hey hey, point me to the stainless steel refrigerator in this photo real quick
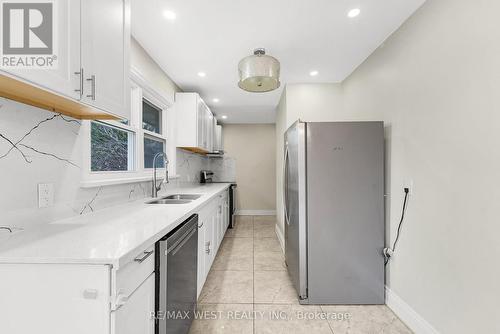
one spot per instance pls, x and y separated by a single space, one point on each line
333 187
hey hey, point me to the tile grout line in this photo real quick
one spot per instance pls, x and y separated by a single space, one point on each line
327 321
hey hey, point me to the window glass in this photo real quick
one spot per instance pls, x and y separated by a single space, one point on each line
153 146
111 148
151 117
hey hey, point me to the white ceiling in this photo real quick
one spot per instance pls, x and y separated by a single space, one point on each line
305 35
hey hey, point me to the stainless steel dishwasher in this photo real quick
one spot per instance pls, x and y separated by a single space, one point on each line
176 278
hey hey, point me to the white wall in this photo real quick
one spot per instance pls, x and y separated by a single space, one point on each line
435 83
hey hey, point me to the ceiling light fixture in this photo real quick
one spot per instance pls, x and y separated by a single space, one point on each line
215 100
313 73
259 72
202 74
354 12
169 15
224 116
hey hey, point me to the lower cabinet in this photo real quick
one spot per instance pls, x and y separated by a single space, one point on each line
135 316
213 223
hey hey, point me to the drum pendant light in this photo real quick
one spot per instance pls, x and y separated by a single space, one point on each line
259 72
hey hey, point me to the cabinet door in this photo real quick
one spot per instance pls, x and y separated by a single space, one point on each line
209 242
64 79
105 30
220 222
135 315
226 213
202 230
217 137
201 124
210 130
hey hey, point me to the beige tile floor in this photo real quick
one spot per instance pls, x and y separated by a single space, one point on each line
248 290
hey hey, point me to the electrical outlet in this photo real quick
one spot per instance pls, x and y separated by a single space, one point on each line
45 195
409 184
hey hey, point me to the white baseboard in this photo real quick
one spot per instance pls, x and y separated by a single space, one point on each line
256 212
409 316
280 237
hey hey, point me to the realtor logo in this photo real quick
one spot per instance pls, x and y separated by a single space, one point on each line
28 31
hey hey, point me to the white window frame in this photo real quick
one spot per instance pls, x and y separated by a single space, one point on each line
140 89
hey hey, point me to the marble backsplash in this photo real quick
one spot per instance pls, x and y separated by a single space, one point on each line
37 146
224 169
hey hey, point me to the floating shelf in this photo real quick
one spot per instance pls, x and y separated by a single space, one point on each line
195 150
26 93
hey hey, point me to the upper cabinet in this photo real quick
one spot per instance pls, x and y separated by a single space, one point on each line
91 79
218 137
64 78
105 55
196 121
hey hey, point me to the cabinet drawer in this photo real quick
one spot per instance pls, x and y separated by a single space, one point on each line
131 276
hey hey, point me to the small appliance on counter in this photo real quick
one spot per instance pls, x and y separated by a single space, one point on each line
206 176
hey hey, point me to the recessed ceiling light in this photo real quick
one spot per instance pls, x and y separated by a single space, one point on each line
202 74
313 73
169 15
354 12
215 100
224 116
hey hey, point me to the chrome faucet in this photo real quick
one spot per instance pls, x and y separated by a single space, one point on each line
156 186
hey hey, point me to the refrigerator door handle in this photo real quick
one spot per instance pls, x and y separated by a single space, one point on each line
285 199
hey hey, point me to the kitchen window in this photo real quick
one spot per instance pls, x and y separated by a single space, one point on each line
123 151
112 148
151 117
154 138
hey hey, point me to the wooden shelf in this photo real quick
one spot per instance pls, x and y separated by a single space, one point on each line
26 93
194 150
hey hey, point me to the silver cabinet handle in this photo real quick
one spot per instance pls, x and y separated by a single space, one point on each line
144 257
92 89
80 90
207 247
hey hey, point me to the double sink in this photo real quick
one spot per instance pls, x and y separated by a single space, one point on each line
175 199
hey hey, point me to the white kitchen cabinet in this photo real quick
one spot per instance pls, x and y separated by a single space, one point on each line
93 46
135 315
210 238
211 230
105 31
209 123
64 79
196 121
78 298
217 146
54 298
202 249
225 208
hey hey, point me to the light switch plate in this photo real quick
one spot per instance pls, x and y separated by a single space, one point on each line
45 195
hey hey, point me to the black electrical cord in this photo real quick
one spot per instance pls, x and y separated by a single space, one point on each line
393 248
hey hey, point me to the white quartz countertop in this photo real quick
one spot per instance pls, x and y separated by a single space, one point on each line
112 236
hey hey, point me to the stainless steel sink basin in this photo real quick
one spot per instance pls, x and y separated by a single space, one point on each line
169 201
183 196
